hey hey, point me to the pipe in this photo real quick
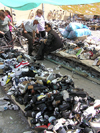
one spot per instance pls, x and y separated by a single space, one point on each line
43 9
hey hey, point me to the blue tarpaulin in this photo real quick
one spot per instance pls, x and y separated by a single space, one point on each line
29 4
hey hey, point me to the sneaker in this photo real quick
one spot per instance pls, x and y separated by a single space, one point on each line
40 77
11 91
12 74
13 107
30 113
19 58
51 119
1 60
27 56
3 102
66 79
95 62
65 94
3 80
79 52
18 71
22 64
8 79
4 55
4 107
40 97
5 98
23 88
57 80
15 80
51 77
25 69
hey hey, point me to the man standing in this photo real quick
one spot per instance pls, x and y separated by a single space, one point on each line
52 43
29 28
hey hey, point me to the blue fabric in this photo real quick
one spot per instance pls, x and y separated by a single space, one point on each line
25 7
18 4
74 26
63 32
79 33
84 26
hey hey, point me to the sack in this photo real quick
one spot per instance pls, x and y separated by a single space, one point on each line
63 32
74 26
79 33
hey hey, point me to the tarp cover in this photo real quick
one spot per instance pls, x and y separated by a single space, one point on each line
88 9
29 4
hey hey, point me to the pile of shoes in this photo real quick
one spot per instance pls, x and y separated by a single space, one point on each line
81 114
50 99
83 49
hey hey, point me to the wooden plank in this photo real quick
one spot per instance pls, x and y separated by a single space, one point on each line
74 58
94 80
76 71
82 38
94 26
69 68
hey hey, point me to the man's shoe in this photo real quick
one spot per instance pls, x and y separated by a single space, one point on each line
30 54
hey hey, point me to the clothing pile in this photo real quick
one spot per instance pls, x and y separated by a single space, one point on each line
50 99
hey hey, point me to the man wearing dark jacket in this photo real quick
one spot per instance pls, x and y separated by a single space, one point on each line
52 43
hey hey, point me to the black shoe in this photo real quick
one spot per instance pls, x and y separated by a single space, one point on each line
30 113
28 107
30 54
19 100
39 58
26 98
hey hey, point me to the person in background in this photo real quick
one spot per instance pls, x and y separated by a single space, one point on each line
29 28
52 43
40 32
2 11
31 14
7 13
4 27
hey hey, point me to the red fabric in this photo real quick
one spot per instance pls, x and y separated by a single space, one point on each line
91 53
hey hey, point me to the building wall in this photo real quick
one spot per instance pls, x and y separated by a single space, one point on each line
50 12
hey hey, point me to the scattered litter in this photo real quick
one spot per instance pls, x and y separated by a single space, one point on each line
11 118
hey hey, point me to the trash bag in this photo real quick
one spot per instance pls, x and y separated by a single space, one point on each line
79 33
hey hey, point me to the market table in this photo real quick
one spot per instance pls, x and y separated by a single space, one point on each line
95 26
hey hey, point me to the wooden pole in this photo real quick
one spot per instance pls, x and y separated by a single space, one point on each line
43 9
